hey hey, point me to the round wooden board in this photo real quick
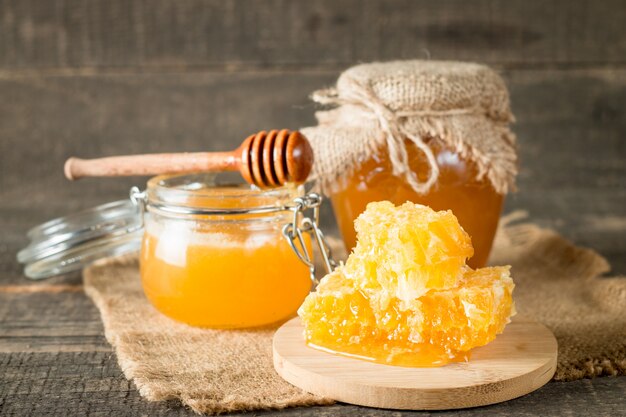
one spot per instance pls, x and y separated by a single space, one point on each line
519 361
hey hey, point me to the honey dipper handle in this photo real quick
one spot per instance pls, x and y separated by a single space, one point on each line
153 164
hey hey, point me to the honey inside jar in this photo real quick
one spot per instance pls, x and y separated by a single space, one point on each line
475 203
226 270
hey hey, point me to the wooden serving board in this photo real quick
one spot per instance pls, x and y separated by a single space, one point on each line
519 361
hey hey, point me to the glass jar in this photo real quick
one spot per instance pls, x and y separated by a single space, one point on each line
457 112
475 203
212 254
227 265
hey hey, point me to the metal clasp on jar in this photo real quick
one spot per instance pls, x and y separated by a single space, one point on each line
293 232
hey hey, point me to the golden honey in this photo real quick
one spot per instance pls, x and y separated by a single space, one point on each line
405 296
475 203
224 270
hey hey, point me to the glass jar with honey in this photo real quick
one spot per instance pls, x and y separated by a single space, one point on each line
429 132
212 253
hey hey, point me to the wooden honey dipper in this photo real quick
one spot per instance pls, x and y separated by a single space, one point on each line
265 159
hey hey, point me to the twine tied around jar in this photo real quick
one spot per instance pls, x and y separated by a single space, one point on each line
463 106
391 123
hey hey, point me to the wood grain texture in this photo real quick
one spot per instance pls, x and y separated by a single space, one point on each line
43 321
45 120
316 33
520 360
91 383
98 77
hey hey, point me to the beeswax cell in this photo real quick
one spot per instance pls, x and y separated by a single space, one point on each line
405 296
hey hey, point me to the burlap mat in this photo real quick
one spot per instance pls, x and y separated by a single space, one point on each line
215 371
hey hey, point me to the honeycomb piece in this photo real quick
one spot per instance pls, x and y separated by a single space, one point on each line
405 251
362 310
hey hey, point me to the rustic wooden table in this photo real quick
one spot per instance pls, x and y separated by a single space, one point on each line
95 78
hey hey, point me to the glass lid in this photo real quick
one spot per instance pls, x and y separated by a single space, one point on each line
70 243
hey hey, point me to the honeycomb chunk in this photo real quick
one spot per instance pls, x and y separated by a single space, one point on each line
405 296
403 252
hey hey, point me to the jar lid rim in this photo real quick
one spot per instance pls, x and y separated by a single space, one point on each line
208 194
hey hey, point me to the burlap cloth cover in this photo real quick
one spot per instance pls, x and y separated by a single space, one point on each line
463 105
215 371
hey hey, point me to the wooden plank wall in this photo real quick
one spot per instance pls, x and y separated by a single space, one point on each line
239 34
103 77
